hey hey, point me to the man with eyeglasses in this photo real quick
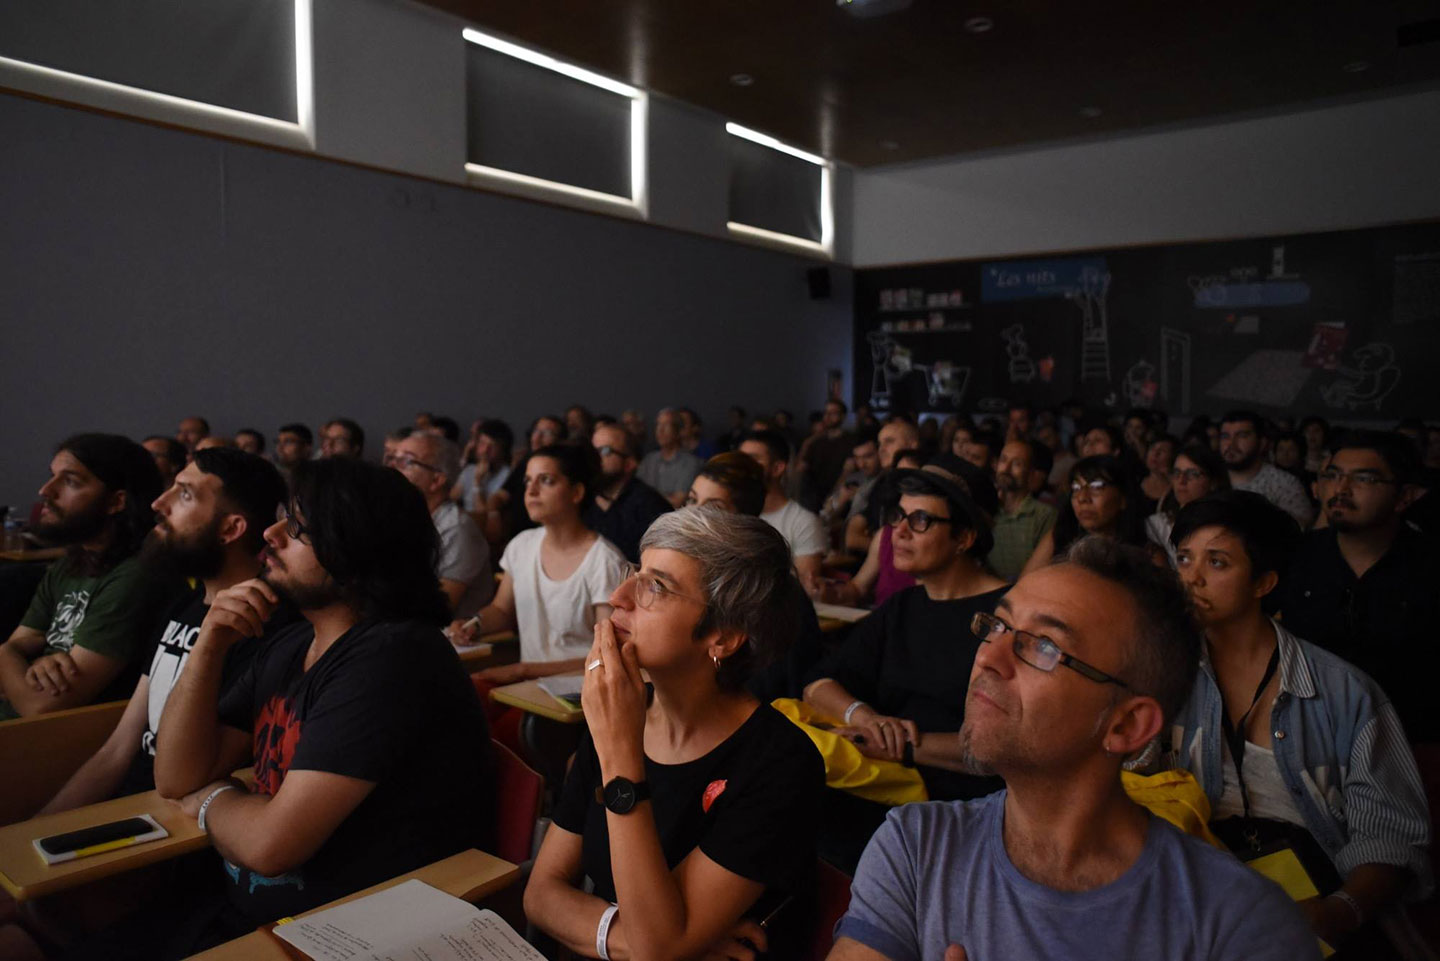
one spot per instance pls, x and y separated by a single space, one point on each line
293 444
1243 446
624 506
1081 664
432 464
1367 586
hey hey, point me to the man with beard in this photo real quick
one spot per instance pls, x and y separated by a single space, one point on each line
97 604
209 526
371 751
1365 586
1022 520
624 506
1082 663
1243 446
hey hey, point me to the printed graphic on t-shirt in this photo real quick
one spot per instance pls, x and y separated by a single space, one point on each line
277 734
69 615
176 643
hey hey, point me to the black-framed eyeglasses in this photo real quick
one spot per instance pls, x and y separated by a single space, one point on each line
1093 487
1359 478
917 521
294 529
1188 474
649 588
1037 650
405 462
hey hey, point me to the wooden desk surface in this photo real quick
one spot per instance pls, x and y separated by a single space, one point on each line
470 875
33 554
529 697
25 876
498 648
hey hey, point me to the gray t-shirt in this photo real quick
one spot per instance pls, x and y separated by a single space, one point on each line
938 874
464 557
669 476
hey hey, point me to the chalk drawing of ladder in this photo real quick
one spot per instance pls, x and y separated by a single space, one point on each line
1090 297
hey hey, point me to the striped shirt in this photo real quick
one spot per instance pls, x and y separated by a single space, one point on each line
1341 752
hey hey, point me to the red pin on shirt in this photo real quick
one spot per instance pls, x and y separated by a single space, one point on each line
712 791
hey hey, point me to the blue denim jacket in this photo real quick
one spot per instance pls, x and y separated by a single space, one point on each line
1341 751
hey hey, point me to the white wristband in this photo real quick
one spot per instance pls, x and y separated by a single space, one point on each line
205 804
850 711
602 933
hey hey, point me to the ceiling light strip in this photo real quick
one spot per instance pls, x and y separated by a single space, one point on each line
549 63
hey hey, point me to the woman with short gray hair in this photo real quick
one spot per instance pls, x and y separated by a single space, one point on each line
690 804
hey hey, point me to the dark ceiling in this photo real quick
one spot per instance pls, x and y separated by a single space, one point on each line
917 83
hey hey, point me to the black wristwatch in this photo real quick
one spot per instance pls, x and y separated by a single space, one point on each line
622 794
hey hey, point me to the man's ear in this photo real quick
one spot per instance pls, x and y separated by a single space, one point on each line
232 528
1134 723
118 502
1409 494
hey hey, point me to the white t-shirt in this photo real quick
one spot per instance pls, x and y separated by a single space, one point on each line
557 618
802 530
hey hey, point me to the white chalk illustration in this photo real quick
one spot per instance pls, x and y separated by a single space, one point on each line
1021 367
1366 381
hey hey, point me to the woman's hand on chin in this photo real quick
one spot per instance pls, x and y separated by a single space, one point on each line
613 697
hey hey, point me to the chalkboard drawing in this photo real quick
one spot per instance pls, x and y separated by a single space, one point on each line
1022 368
1366 381
1140 384
1175 369
1266 378
1277 261
1090 296
1327 343
1220 292
947 383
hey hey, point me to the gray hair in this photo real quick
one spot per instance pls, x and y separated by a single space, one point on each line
748 577
444 455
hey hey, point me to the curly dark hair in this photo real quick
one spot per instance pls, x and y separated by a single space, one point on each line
373 535
121 465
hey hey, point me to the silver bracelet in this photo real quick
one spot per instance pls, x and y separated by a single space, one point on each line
854 706
1348 898
602 933
205 804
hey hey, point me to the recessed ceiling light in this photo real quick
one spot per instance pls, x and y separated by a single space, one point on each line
979 24
741 79
1090 113
1357 66
889 145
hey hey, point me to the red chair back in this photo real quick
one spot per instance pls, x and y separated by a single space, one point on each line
519 792
832 898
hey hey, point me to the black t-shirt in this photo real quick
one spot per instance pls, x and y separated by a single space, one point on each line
749 804
629 517
1384 623
911 658
388 703
172 647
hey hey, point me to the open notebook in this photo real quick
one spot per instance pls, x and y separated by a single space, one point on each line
408 922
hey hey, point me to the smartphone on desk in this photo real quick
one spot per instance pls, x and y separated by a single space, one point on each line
99 838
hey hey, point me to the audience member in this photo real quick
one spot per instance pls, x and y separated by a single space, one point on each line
1136 430
732 481
558 576
250 440
209 526
802 530
212 441
342 437
170 455
692 438
579 424
1018 422
897 681
432 464
446 427
293 445
982 449
1335 781
853 489
97 604
1159 459
897 435
1197 471
690 805
1365 587
670 469
1021 520
634 423
624 506
544 431
190 430
1243 445
1062 864
824 454
1101 440
491 442
1103 500
371 751
392 443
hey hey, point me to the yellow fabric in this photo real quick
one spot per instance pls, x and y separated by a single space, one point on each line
846 768
1175 796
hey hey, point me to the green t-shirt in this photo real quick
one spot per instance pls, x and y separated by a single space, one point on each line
113 614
